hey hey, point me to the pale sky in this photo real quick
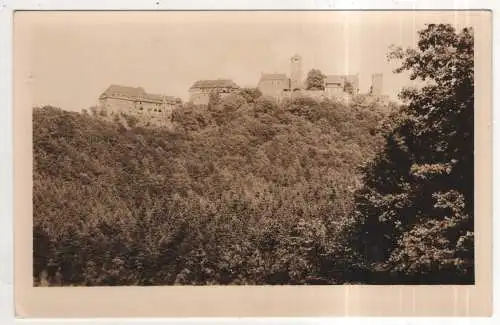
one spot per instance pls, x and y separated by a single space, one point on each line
74 56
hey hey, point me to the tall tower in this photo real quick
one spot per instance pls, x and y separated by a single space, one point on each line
296 72
377 84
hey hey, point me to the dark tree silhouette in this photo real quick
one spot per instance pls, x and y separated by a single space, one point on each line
416 210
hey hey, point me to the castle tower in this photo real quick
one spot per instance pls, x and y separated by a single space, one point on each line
377 84
296 72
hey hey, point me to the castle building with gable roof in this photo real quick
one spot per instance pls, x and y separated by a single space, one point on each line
200 91
136 101
274 84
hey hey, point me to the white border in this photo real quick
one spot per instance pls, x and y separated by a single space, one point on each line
6 148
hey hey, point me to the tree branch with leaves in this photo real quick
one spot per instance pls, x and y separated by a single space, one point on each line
416 209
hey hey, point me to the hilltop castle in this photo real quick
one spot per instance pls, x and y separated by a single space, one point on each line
137 102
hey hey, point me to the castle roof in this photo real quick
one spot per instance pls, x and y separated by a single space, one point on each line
135 93
273 76
217 83
155 98
172 99
123 91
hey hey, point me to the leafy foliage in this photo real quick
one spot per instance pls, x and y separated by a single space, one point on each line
417 205
315 80
250 94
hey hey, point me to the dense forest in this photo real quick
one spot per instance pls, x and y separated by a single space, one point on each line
248 191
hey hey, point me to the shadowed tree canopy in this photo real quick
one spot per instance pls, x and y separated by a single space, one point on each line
315 80
416 210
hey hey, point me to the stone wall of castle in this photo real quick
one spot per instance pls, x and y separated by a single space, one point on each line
201 96
117 105
145 111
273 88
315 94
335 91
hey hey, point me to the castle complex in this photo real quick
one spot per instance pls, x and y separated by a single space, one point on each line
279 85
157 108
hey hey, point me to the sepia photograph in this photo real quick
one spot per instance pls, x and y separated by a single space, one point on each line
252 149
252 163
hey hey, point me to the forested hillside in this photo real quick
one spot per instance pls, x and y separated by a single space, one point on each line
241 192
